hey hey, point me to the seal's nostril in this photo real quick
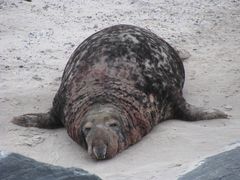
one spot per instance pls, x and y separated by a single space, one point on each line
100 151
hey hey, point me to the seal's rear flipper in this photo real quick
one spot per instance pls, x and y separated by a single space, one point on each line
182 53
188 112
40 120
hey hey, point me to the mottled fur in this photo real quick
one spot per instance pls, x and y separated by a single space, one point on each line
134 73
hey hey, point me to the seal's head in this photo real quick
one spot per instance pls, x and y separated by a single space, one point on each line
102 130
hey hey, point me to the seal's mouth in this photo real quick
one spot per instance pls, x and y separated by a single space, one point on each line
100 152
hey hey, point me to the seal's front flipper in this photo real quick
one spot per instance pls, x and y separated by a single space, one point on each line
188 112
40 120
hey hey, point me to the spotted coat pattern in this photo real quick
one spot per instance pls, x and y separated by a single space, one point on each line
126 66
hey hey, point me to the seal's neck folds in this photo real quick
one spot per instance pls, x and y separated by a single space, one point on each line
98 109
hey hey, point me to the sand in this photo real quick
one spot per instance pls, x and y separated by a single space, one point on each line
37 38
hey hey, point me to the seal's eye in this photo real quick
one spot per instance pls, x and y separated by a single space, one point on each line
113 124
87 128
